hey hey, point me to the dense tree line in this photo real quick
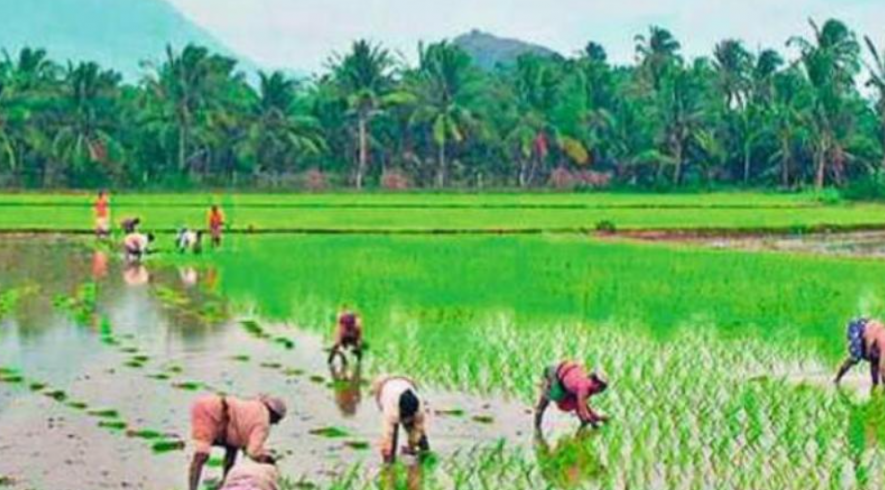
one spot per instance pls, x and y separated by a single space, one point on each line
736 117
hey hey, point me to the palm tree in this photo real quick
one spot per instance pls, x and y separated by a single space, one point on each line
89 101
364 78
276 135
443 82
657 53
733 64
830 61
681 113
877 82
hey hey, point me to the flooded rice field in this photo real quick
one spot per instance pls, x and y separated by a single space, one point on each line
719 361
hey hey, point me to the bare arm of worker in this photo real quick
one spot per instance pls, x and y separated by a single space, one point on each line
390 441
585 411
255 446
197 469
540 408
334 352
843 370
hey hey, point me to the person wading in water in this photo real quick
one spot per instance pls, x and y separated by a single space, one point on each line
399 403
866 340
569 386
234 424
348 336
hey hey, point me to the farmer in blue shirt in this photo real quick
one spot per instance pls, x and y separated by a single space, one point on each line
866 340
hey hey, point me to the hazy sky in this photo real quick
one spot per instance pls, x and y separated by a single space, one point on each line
300 34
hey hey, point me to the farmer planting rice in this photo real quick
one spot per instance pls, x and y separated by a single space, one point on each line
130 225
569 386
250 475
235 425
136 245
866 339
348 336
398 400
189 241
102 215
216 223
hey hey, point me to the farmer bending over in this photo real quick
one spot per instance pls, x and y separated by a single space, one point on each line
398 400
235 425
866 339
249 475
569 386
189 241
136 246
130 225
348 336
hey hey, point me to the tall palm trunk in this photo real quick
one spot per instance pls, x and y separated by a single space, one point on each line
821 164
182 147
363 150
786 158
746 164
441 170
677 155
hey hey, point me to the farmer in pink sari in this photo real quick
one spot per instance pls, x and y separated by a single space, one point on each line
570 387
234 424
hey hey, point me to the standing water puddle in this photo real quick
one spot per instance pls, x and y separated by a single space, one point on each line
101 363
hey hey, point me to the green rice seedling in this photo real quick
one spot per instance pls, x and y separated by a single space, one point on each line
159 376
483 419
147 434
317 379
104 414
241 358
188 386
78 405
167 445
11 377
57 395
358 445
114 425
330 432
271 365
453 412
254 328
287 344
293 372
215 462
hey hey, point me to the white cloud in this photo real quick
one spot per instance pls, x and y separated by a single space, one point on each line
302 34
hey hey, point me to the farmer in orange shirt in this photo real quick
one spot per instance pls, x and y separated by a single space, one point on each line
569 386
102 215
216 223
235 425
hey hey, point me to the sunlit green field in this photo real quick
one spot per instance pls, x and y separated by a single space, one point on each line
445 212
720 361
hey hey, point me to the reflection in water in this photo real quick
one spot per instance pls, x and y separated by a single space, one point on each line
347 384
189 276
391 477
136 274
570 463
99 265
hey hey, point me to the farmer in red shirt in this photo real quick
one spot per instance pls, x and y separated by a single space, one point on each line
569 386
102 215
216 223
349 335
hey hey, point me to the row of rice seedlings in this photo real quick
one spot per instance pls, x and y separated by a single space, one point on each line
107 418
10 299
82 305
690 412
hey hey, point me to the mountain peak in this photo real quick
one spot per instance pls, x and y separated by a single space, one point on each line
489 51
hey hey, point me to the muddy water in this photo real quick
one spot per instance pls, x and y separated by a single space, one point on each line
849 244
172 338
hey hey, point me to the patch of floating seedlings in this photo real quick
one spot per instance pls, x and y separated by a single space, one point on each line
104 414
146 434
166 446
330 432
188 385
358 445
115 425
57 395
483 419
454 412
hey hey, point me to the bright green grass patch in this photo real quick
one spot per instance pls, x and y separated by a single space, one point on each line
446 212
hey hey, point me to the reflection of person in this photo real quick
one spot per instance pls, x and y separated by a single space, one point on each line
570 463
216 224
136 274
348 389
348 336
102 215
136 246
249 475
398 400
235 425
569 386
189 276
866 339
99 265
